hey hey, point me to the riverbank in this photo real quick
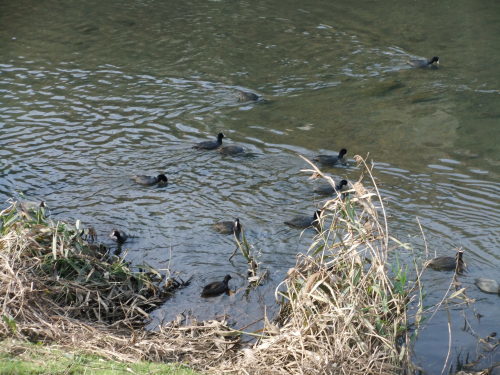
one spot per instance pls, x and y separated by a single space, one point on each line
343 306
20 357
59 287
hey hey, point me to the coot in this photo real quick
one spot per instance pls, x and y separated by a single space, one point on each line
118 235
424 63
302 222
210 145
448 263
228 227
331 159
216 288
161 180
329 189
246 96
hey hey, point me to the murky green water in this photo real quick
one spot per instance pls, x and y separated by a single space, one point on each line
93 92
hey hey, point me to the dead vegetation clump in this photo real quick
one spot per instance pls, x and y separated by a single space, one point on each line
69 276
344 310
55 287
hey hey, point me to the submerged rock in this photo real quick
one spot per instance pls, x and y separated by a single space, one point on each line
487 285
231 150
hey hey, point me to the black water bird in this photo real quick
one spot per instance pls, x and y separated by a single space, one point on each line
246 96
118 236
210 145
160 180
216 288
424 63
303 222
228 227
331 159
329 189
448 263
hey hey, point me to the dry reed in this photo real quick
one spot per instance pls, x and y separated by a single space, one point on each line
343 308
55 287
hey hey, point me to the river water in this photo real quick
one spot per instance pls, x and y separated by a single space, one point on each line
93 92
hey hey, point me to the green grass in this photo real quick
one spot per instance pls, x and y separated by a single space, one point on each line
18 358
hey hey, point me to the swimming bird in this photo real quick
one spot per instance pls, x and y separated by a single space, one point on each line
331 159
246 96
303 222
448 263
231 150
161 180
424 63
329 189
118 236
216 288
210 145
228 227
